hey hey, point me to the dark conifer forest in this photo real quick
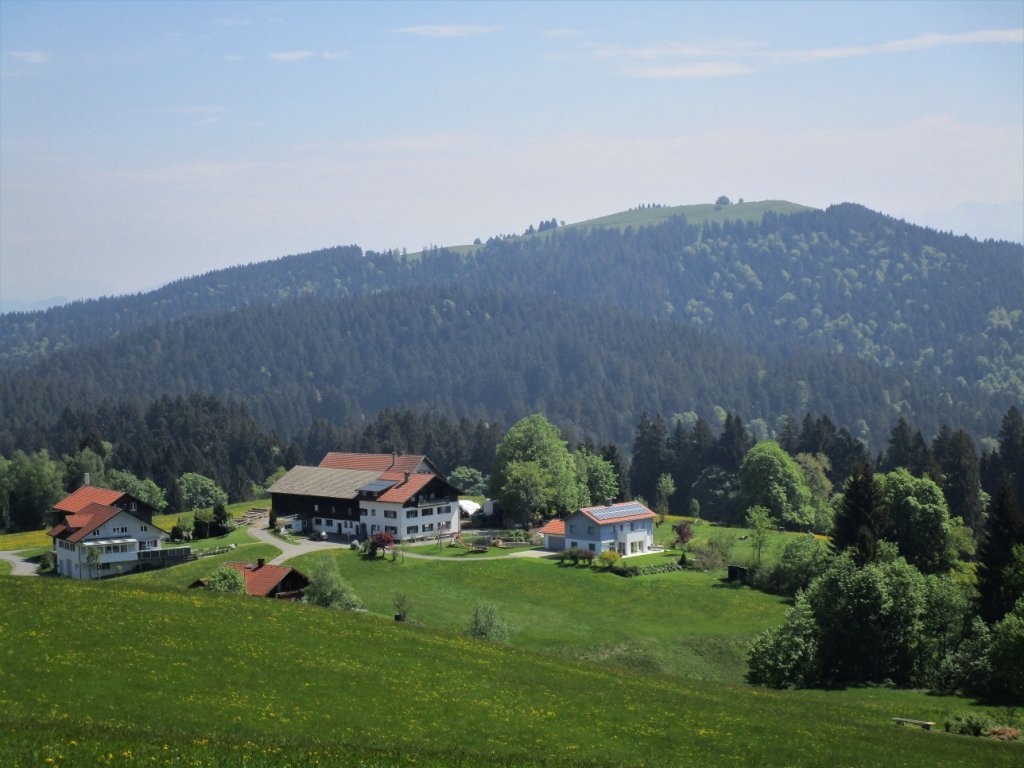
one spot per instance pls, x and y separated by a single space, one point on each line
845 313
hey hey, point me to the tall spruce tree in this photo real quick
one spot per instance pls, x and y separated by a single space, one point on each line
1004 529
862 519
961 479
651 457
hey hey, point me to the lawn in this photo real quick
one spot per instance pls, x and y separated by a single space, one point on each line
684 623
25 540
94 674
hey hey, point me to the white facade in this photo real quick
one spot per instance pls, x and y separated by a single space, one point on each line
630 537
119 541
407 522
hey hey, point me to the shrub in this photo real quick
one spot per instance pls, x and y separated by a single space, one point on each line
587 556
968 724
403 606
609 557
226 579
487 624
47 560
329 589
707 557
574 555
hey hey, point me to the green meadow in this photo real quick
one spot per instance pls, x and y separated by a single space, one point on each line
600 671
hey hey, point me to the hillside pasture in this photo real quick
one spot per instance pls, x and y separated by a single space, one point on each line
95 675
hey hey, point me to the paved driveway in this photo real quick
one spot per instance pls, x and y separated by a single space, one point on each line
290 550
19 565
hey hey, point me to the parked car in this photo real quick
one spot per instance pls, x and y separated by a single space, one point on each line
319 536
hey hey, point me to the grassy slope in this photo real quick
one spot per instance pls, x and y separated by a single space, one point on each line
682 623
695 214
150 676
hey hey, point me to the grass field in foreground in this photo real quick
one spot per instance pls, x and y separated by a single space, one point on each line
94 675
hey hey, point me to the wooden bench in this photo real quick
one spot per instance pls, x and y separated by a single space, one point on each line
926 724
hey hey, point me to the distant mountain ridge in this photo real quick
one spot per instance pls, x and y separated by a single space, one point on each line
337 271
845 311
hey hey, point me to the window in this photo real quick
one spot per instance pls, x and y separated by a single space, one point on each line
572 528
429 512
412 513
390 514
145 528
412 529
391 529
573 545
318 521
591 547
316 507
134 507
428 527
590 530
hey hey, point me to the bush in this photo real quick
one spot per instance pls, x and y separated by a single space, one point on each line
801 561
47 561
403 606
587 556
487 624
707 557
968 724
226 579
329 589
609 557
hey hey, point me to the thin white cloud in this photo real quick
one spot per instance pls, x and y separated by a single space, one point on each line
29 57
561 33
197 109
919 43
695 71
448 30
754 54
229 22
292 55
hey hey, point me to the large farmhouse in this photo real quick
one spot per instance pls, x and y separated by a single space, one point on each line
626 528
112 525
358 495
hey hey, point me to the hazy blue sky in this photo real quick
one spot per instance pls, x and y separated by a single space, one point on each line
144 141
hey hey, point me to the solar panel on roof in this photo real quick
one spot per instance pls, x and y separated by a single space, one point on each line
376 486
619 510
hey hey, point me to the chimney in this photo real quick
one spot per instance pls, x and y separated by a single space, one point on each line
87 480
608 502
261 562
394 459
407 477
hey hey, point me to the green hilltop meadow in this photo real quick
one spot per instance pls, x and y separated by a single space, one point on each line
599 671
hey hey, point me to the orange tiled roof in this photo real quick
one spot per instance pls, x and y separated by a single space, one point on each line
378 462
260 580
554 527
80 524
405 489
87 494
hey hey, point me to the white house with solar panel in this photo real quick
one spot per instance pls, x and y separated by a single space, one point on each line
626 528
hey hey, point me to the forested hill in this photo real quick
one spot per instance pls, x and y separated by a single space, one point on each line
845 311
342 271
481 354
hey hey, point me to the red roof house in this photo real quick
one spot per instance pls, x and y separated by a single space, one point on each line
262 580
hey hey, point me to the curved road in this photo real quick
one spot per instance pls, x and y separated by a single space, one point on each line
290 550
19 565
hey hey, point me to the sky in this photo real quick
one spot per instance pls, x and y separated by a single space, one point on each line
141 142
